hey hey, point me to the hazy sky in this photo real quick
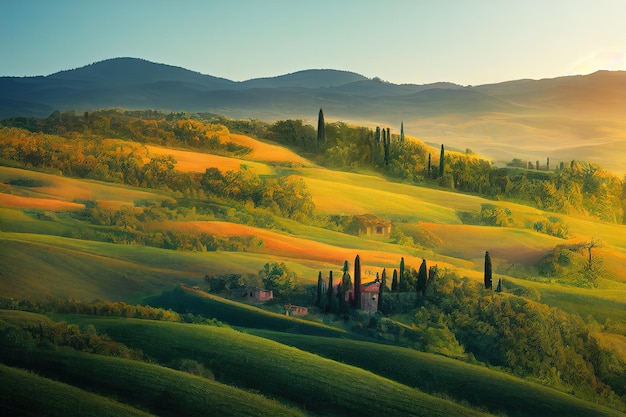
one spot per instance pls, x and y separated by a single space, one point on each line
402 41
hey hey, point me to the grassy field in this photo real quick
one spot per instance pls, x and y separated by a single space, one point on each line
53 399
267 152
54 187
162 391
463 382
308 249
238 314
304 379
199 162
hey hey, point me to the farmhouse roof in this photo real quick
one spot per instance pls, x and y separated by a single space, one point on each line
370 287
372 220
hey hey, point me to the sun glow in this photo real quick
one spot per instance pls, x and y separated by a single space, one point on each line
613 60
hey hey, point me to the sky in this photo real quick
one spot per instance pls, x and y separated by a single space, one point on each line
468 42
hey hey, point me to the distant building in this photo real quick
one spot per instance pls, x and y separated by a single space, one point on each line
256 294
371 225
293 310
369 296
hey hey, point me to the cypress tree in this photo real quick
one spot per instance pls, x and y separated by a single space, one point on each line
357 282
330 292
381 288
441 162
401 278
548 164
320 290
394 281
433 273
488 272
499 287
388 137
321 131
386 147
428 169
344 287
421 278
401 131
537 165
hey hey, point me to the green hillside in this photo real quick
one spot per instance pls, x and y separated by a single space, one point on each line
463 382
312 382
52 398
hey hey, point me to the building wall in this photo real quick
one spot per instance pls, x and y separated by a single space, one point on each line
369 302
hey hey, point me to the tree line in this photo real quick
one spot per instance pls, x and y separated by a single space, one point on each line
575 188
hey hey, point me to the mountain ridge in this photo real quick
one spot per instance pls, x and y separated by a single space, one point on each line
570 117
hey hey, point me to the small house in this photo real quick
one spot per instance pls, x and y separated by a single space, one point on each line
293 310
257 294
369 296
371 225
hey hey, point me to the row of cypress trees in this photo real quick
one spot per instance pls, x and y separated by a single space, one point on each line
331 298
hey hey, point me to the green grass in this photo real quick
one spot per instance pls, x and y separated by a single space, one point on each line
463 382
312 382
160 390
238 314
37 266
68 189
23 393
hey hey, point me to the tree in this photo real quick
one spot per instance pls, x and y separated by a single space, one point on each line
394 281
488 272
381 288
278 278
401 276
499 287
422 278
428 169
330 294
401 131
590 245
385 147
320 290
441 162
357 282
321 131
383 278
433 273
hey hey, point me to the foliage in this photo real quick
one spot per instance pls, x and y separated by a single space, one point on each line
529 338
279 279
571 264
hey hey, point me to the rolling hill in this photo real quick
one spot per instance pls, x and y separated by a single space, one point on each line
86 240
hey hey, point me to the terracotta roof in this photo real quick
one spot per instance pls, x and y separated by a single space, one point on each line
370 287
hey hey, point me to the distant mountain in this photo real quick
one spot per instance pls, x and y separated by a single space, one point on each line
121 72
137 83
306 79
575 117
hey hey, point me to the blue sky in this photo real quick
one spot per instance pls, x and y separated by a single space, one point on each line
401 41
